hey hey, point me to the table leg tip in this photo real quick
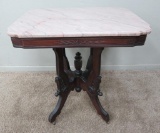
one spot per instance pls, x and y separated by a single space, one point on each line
54 123
51 119
107 119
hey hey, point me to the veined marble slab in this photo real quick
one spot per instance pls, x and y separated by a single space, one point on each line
78 22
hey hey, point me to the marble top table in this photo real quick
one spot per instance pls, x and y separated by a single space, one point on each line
78 27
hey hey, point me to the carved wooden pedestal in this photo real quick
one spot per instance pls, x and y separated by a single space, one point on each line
87 80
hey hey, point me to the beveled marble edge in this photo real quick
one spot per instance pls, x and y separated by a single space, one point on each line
111 25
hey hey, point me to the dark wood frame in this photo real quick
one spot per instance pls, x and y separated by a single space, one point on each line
88 80
66 42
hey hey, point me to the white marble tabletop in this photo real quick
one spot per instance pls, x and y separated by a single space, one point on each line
78 22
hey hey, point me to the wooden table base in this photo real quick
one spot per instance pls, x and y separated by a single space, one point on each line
87 80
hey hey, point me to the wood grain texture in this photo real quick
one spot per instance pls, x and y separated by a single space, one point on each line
66 42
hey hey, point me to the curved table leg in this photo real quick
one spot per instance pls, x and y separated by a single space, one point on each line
98 106
61 101
62 82
94 81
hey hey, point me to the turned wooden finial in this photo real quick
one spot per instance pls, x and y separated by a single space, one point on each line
78 63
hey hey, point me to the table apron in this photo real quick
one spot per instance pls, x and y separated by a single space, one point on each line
64 42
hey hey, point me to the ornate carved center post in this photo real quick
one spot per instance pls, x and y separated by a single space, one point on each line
78 64
87 80
78 71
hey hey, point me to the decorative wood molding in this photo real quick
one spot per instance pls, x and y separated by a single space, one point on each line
60 85
108 41
94 88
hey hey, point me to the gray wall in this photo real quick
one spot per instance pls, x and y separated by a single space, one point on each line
143 57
